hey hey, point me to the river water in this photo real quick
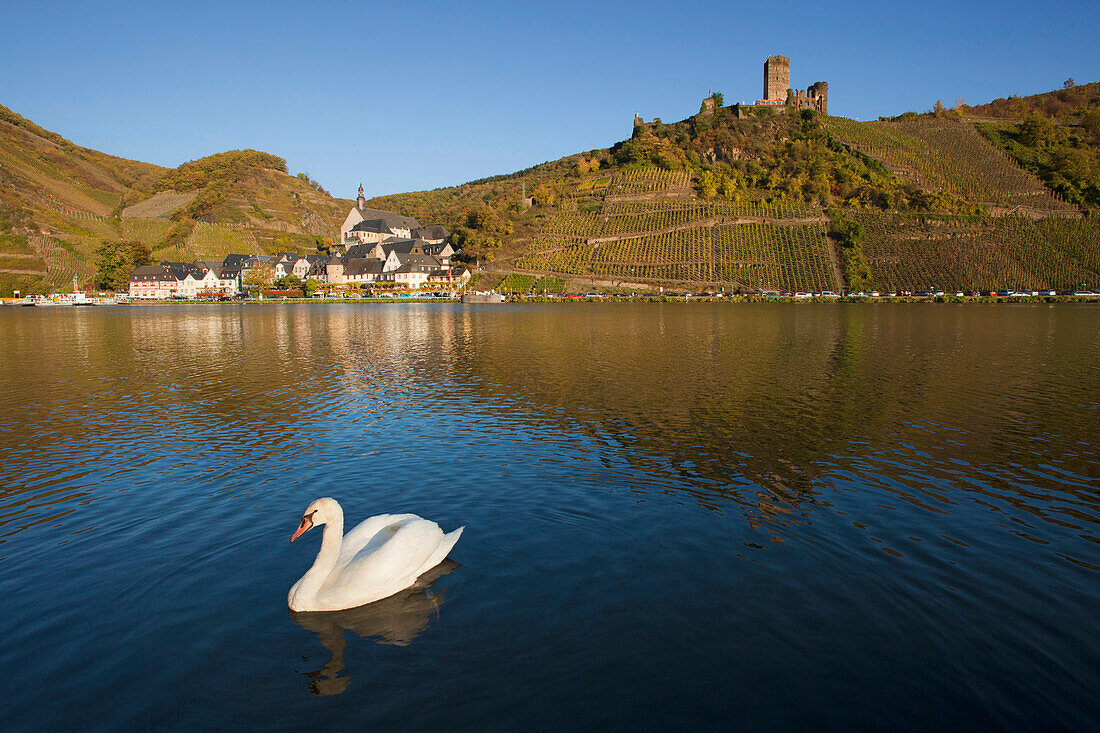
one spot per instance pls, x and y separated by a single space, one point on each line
678 516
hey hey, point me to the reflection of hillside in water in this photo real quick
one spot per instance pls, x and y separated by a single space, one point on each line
755 406
736 405
396 620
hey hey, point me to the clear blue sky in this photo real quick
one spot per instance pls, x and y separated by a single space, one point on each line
408 96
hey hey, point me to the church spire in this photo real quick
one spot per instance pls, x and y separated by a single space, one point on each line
361 202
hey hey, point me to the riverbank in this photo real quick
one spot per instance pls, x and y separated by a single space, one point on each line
610 298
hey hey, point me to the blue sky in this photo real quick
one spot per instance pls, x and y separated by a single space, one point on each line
409 96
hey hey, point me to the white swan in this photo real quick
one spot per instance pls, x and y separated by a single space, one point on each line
380 557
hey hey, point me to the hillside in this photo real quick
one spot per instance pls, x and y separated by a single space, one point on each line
732 198
59 201
762 199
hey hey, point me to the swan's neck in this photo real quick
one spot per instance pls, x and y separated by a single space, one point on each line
323 566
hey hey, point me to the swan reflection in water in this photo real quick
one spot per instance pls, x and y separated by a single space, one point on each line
395 620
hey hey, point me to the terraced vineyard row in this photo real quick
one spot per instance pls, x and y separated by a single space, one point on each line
573 223
516 283
757 255
647 180
765 209
628 217
948 156
575 260
648 221
62 264
1005 252
549 285
764 256
679 255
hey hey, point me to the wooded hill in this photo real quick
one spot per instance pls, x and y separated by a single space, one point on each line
971 198
772 200
59 201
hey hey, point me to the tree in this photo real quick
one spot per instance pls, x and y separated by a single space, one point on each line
1036 130
483 232
310 286
938 110
1091 123
288 282
257 278
718 100
1069 83
116 261
543 195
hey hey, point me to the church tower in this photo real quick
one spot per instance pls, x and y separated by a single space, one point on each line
361 202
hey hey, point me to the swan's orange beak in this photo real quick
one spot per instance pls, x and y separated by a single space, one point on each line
305 526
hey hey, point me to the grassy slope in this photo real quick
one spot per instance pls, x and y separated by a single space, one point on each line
58 201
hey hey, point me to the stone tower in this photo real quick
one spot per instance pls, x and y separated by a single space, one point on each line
361 201
777 78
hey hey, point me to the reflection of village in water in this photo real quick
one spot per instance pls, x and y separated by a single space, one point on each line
760 411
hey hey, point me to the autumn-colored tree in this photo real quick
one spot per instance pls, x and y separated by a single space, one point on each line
484 231
116 261
257 278
543 195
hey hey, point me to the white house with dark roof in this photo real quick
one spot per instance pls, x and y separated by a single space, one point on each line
153 282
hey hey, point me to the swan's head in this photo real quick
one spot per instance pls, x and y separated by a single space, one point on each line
321 511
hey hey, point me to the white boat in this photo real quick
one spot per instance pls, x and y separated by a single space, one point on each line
478 296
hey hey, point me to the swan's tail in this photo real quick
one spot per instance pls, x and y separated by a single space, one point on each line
441 552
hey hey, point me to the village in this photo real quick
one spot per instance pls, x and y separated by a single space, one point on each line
376 250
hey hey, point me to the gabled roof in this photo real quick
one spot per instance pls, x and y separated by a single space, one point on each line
392 220
362 266
432 231
375 226
232 260
431 248
402 247
418 260
360 250
178 269
153 273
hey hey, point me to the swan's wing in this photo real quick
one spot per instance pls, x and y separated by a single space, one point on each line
358 538
387 564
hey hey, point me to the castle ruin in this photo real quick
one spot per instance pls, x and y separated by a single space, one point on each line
778 91
777 79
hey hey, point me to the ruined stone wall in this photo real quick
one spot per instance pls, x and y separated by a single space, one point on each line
816 97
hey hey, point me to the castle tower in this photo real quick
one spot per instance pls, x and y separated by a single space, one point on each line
361 202
820 90
777 78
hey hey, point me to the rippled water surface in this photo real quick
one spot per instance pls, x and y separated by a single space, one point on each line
679 516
